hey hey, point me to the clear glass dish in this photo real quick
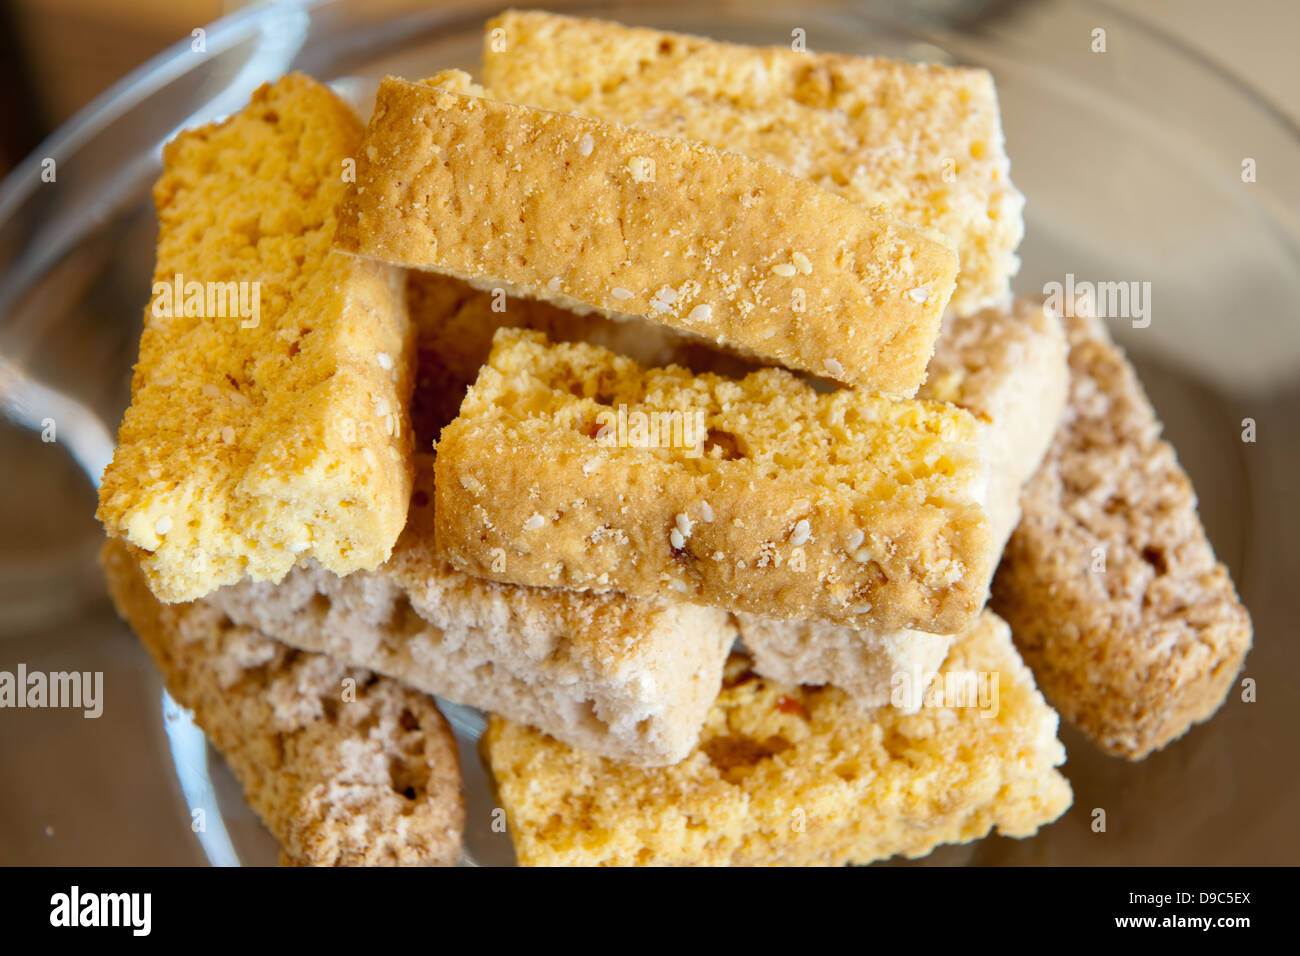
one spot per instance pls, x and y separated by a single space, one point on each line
1132 164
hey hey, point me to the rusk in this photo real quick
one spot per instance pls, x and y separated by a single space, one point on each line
253 442
627 679
788 775
1007 366
596 216
1113 592
759 495
368 781
923 141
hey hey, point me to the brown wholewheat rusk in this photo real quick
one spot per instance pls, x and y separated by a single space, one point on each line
254 441
1112 589
369 778
759 494
598 216
790 775
923 141
627 679
1007 365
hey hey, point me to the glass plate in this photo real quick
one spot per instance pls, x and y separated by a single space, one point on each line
1132 163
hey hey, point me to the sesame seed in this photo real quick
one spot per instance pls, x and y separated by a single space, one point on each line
228 435
802 263
658 305
586 144
855 539
667 294
834 368
676 539
684 525
553 285
920 294
533 523
619 292
701 313
162 525
590 465
381 408
385 361
801 533
784 269
706 511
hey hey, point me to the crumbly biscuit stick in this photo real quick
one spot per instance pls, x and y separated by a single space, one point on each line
789 775
593 215
255 440
923 141
1007 365
572 467
626 679
370 780
1117 602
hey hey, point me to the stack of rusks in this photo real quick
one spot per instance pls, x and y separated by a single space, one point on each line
666 400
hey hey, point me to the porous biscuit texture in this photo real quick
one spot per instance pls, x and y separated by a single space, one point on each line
599 216
923 141
369 778
869 665
253 442
1117 602
455 323
789 775
627 679
572 467
1007 366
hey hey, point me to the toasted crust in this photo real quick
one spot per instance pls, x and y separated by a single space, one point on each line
590 214
247 448
372 781
749 511
1006 365
627 679
922 140
1138 652
795 775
